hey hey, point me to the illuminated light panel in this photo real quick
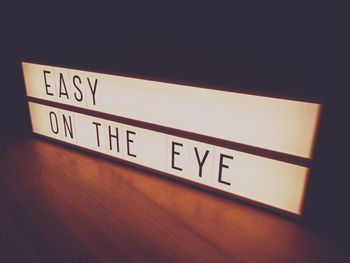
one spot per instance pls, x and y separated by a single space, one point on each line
270 123
76 99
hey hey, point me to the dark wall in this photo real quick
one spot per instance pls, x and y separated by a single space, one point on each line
285 54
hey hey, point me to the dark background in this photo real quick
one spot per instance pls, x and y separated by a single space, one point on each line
283 51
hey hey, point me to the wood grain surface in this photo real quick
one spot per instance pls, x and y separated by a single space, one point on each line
61 205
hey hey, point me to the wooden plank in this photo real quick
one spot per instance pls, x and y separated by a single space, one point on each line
72 206
15 247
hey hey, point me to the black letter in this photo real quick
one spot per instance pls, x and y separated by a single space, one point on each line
53 130
66 126
113 136
46 84
97 132
93 90
222 156
75 85
173 155
64 85
201 163
128 140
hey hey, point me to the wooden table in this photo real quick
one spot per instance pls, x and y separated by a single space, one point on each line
61 205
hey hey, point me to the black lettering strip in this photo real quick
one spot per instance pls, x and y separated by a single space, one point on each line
270 154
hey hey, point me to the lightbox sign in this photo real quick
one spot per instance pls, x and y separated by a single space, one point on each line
258 148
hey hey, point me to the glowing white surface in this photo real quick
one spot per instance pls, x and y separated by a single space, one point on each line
275 124
264 180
